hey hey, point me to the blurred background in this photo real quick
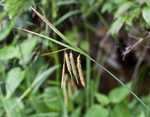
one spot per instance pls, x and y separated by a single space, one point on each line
115 33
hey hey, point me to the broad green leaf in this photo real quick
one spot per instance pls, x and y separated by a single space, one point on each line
14 108
97 111
118 94
146 14
6 29
51 98
132 15
38 105
14 78
84 45
76 112
23 50
120 110
79 97
26 48
28 45
9 52
142 114
123 8
102 99
116 26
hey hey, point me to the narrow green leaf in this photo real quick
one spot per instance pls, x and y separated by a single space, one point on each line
67 15
67 2
51 114
38 81
42 77
116 26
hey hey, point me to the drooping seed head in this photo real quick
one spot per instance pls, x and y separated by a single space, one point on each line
74 70
80 71
63 76
68 64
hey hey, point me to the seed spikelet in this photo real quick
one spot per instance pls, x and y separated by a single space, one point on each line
68 64
80 71
74 70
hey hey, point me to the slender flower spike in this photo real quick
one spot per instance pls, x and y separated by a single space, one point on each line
68 64
74 70
80 71
63 76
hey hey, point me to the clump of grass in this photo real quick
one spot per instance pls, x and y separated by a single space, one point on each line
73 47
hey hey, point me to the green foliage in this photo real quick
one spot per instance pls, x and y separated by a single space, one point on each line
146 14
32 81
9 52
97 111
126 11
14 78
121 93
102 99
120 110
116 26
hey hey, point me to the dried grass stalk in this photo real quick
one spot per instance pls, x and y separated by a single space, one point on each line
71 87
80 71
47 22
65 92
68 64
74 70
63 76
